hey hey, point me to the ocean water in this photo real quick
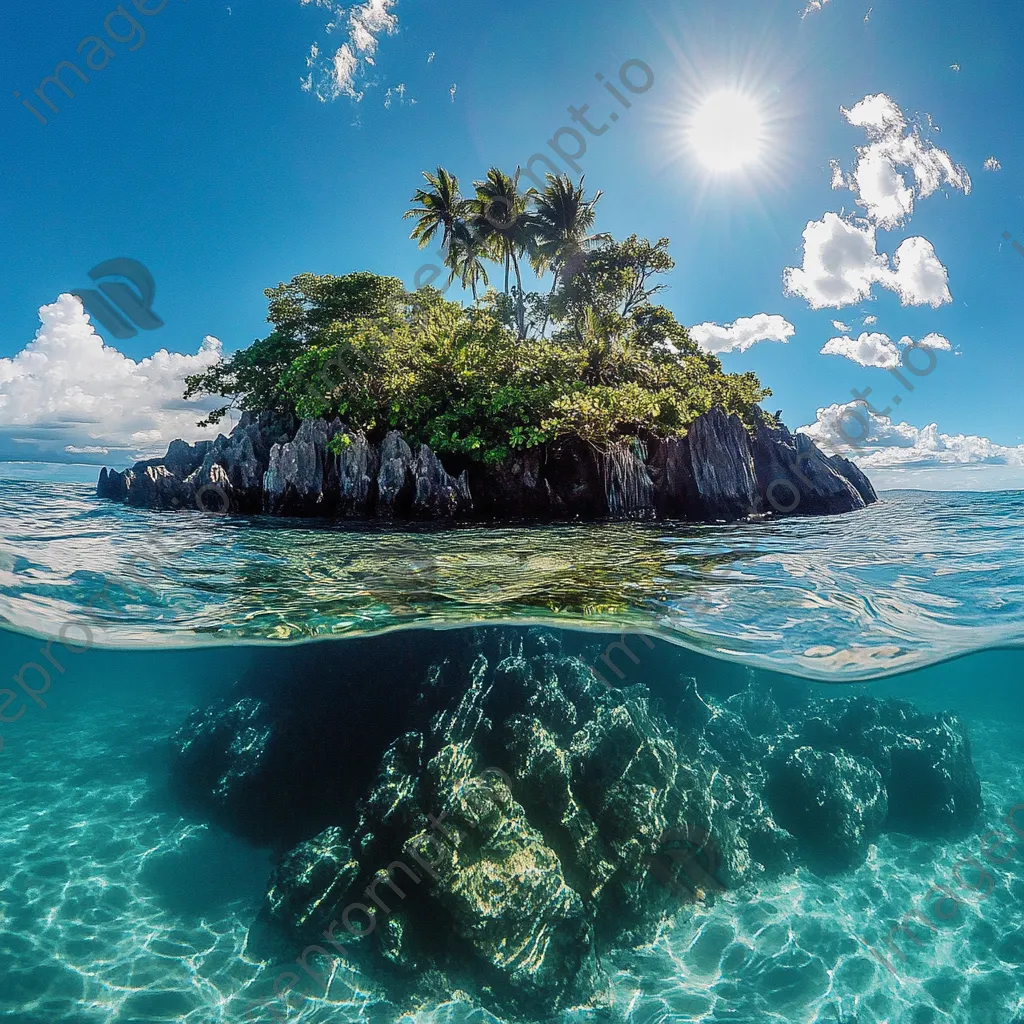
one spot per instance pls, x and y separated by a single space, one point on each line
121 901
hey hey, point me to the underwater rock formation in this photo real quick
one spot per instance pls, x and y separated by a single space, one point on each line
512 818
277 465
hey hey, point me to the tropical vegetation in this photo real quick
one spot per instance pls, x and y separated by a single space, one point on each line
592 355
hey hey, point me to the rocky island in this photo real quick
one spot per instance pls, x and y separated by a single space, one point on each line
718 471
588 401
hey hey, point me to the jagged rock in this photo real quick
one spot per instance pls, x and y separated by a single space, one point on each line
183 458
395 484
294 481
111 485
357 467
861 484
629 490
513 489
721 465
574 481
272 463
709 474
833 803
795 477
156 487
437 495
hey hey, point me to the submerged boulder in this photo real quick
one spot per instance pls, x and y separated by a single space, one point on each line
833 803
513 820
924 761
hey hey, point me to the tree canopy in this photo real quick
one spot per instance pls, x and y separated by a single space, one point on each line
593 357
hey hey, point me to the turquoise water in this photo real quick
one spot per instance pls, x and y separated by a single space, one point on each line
121 901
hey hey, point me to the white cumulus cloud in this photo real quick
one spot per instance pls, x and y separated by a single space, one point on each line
879 350
741 334
900 454
897 166
841 264
68 392
867 350
992 164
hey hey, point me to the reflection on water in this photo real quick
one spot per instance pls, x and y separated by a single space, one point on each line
856 595
917 578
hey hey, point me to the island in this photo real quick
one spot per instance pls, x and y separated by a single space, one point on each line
370 401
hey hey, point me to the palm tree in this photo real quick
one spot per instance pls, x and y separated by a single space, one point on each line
464 258
504 228
442 206
562 223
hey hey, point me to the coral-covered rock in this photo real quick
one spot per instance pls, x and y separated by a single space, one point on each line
924 760
511 820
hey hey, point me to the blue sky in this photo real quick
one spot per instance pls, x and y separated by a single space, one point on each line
198 151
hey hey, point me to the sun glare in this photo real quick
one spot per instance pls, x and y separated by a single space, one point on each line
727 131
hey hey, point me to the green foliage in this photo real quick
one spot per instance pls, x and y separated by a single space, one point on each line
485 380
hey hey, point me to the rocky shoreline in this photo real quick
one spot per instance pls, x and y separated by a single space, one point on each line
280 466
510 820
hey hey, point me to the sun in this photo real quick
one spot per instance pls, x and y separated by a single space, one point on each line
727 131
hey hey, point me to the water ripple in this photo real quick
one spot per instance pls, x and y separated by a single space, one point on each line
918 578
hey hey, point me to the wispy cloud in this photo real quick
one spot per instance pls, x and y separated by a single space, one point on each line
906 454
894 149
873 349
992 164
342 73
813 6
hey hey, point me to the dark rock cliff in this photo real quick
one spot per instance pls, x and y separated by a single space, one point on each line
316 468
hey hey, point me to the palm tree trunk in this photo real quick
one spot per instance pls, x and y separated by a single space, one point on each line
520 305
506 270
547 311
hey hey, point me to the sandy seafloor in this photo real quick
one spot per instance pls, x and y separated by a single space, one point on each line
116 907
